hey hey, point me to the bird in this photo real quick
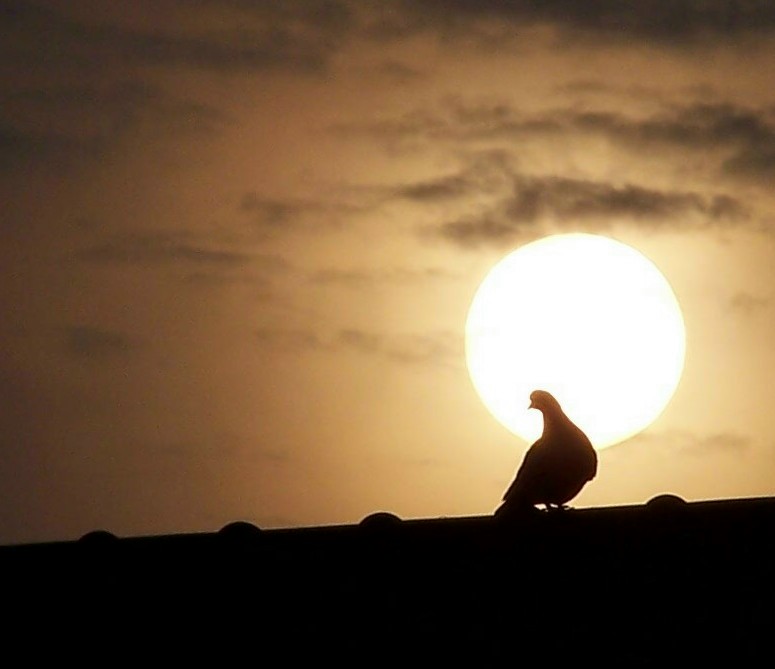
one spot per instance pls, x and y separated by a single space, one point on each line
556 467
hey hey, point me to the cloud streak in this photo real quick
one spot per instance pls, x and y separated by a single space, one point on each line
742 137
698 445
534 203
90 342
296 37
83 121
689 23
441 348
358 278
159 249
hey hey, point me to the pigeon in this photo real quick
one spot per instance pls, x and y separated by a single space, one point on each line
556 467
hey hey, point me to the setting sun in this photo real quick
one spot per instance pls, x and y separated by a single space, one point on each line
585 317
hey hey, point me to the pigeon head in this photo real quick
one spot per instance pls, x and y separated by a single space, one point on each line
544 401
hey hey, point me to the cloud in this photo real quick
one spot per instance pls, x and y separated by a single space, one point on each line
85 341
201 263
443 188
754 162
745 136
360 340
221 36
19 147
536 203
487 228
81 121
273 215
369 278
721 441
441 348
273 212
690 443
565 198
748 134
747 303
398 72
691 22
290 340
161 248
742 139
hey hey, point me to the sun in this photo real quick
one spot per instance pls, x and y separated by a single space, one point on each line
589 319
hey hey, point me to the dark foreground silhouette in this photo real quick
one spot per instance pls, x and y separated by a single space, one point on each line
556 467
667 583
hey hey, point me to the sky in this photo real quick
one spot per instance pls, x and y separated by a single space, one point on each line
239 240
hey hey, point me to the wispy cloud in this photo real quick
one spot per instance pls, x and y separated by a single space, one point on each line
90 342
273 215
690 443
162 248
537 204
290 340
748 303
742 139
440 348
299 36
689 23
359 278
71 123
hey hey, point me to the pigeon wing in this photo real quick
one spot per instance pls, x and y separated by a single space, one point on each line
529 475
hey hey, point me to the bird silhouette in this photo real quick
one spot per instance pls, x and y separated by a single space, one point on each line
556 467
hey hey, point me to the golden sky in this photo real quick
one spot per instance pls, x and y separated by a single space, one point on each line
239 241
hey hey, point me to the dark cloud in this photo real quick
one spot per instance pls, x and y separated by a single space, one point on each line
67 124
523 205
155 249
237 36
739 141
85 341
297 36
273 212
398 72
691 22
745 136
536 202
564 198
272 215
110 108
755 162
20 147
443 188
700 125
487 228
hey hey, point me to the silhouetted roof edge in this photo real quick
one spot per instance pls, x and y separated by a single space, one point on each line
662 507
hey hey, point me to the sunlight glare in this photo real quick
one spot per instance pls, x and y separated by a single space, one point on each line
585 317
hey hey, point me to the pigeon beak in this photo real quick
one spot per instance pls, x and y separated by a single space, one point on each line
532 406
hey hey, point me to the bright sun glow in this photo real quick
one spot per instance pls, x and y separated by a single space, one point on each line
587 318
